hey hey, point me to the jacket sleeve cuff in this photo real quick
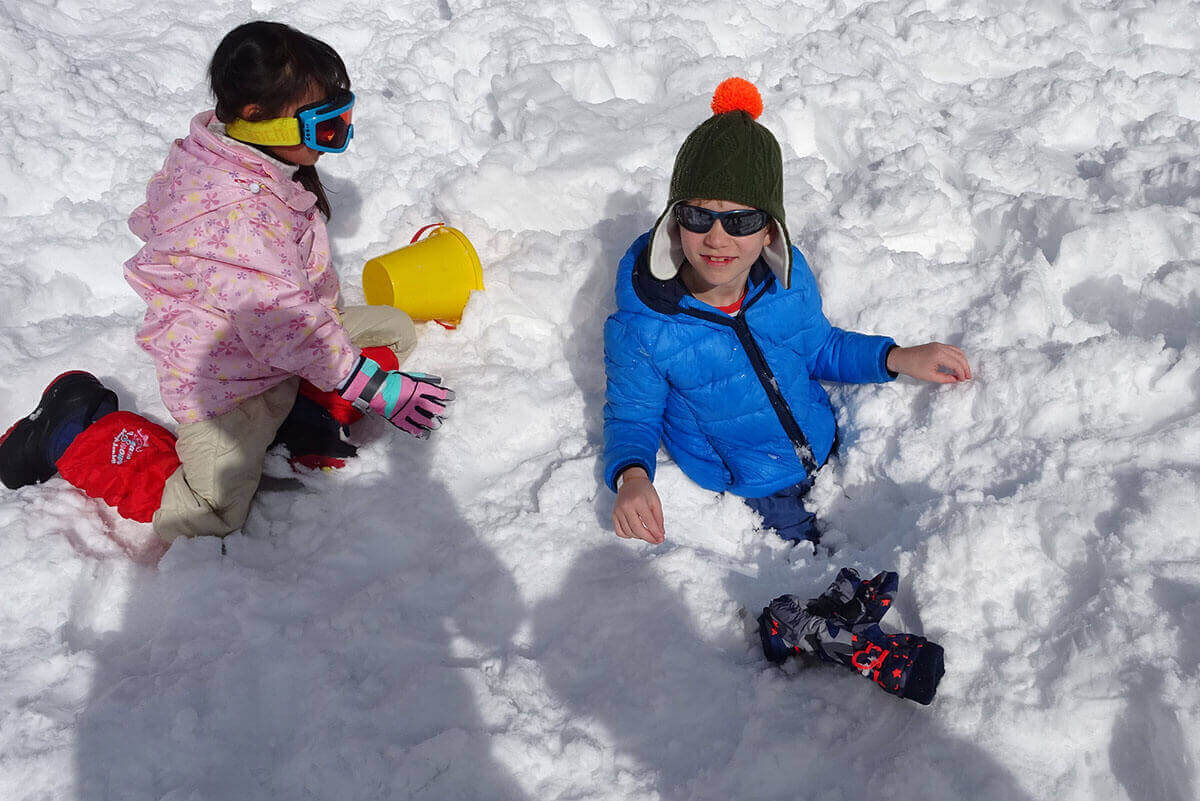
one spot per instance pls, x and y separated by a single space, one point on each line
883 363
621 467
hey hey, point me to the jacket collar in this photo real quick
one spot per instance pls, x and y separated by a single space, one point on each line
211 145
671 296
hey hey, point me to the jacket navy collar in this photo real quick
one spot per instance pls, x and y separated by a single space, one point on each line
668 297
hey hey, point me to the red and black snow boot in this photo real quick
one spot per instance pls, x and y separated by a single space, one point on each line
316 430
30 448
313 437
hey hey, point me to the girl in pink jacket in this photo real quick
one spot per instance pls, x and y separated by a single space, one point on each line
242 306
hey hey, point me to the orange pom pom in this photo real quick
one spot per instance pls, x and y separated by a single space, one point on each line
737 94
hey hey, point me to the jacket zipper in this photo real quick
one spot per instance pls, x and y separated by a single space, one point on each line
767 378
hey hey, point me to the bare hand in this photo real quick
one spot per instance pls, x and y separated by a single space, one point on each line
933 361
638 511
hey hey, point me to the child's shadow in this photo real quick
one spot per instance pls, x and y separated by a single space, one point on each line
325 656
617 646
625 219
698 718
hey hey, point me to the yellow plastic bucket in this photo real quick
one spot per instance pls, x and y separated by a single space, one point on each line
430 278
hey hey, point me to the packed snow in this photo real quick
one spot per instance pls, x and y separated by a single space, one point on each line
455 619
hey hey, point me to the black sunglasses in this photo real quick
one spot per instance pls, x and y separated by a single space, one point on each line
741 222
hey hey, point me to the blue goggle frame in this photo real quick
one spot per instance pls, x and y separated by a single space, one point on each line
326 125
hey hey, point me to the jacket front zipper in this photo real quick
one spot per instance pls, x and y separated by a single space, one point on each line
765 377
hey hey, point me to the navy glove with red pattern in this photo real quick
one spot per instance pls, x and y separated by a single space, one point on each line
842 625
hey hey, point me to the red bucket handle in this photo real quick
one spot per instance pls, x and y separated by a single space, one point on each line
417 235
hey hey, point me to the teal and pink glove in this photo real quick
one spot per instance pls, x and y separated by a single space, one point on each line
412 402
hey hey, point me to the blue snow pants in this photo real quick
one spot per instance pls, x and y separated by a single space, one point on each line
784 511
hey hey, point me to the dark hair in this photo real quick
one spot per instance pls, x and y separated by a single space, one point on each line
271 65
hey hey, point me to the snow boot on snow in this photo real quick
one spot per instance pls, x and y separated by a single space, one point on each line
313 437
842 625
32 445
317 429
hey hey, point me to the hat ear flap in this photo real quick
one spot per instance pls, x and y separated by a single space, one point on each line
778 254
666 248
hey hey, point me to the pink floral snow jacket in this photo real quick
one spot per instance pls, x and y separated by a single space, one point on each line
236 276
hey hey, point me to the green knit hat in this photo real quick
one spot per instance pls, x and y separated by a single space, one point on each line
728 157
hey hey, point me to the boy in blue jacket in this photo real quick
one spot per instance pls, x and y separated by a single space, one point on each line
719 342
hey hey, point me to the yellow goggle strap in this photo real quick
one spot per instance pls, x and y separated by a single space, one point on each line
280 132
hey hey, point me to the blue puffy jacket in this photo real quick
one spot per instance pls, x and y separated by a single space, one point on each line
735 399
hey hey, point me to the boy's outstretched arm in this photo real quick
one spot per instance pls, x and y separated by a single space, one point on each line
637 513
933 361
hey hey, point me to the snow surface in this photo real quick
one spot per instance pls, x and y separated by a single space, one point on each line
455 619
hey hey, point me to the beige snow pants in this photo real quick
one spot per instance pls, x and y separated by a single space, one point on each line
222 457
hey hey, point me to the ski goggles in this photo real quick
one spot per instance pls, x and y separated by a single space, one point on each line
740 222
325 126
